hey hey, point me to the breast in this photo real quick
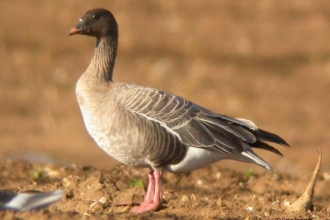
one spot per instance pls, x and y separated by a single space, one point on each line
105 122
112 131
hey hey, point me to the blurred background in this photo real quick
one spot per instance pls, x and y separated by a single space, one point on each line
263 60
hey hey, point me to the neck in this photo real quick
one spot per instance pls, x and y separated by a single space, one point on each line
104 58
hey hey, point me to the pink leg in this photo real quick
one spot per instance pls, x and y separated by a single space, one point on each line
151 188
154 195
158 187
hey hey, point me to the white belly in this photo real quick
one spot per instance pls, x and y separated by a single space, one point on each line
197 158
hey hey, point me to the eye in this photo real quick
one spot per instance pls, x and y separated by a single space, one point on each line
95 17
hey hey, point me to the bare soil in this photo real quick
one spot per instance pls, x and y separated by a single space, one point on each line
267 61
209 193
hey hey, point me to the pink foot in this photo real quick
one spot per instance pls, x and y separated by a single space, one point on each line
154 195
145 207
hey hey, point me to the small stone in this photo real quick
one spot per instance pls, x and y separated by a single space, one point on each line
193 197
286 203
96 207
52 173
326 176
328 209
206 199
220 202
66 182
276 205
70 181
184 199
250 209
103 200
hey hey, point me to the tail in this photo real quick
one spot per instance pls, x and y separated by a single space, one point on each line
263 135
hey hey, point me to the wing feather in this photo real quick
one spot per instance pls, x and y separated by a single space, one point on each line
196 126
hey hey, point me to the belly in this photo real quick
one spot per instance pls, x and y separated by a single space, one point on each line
116 136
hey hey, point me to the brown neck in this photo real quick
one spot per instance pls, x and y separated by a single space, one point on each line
104 58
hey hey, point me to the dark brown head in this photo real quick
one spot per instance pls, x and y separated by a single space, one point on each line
96 23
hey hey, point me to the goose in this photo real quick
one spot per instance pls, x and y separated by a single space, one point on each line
147 127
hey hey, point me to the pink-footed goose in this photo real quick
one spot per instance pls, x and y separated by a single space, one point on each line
147 127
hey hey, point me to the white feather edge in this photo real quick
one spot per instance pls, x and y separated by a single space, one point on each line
248 123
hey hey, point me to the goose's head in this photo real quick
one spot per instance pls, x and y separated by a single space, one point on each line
97 22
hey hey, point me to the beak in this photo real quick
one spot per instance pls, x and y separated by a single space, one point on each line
74 31
79 29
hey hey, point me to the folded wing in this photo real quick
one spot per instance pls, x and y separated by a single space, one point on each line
196 126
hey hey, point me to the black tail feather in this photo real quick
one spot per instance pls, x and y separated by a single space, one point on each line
270 137
264 146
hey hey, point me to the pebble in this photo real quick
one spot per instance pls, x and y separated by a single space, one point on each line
184 199
193 197
220 202
96 207
326 176
51 172
250 209
69 182
286 203
103 200
276 205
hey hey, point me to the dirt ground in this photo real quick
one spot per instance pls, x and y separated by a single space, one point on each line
267 61
213 192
